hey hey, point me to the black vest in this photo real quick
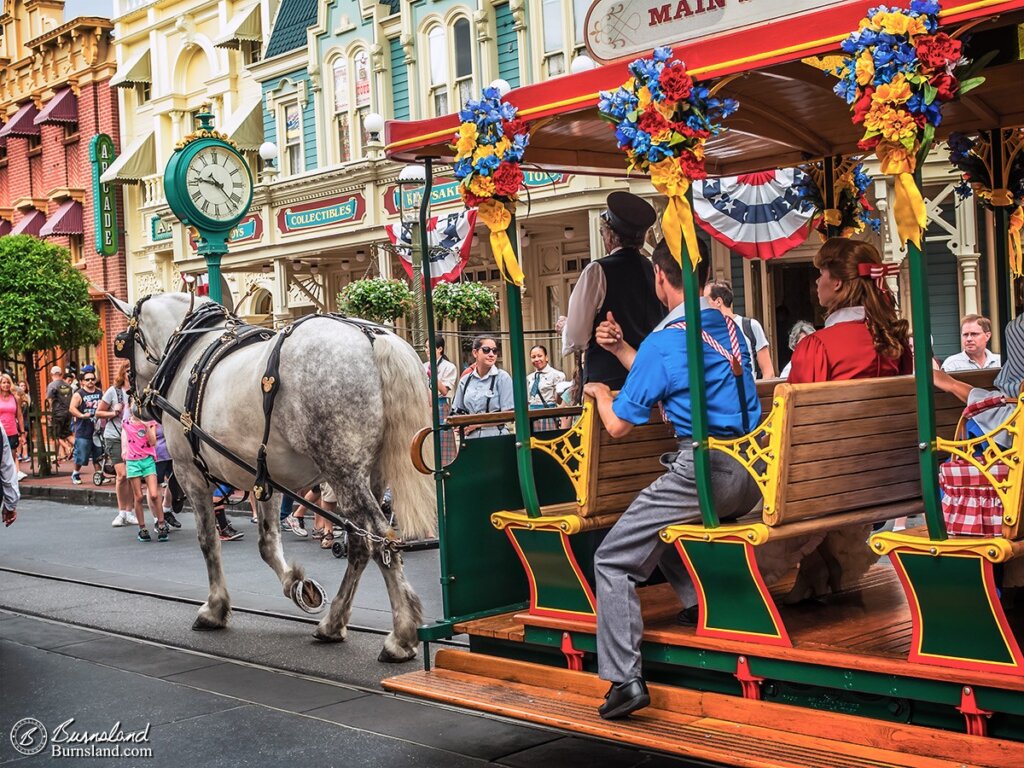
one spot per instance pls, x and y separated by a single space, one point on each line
630 297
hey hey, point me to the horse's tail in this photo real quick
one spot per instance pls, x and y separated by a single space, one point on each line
406 411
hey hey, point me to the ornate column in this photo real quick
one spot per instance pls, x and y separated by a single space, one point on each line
965 248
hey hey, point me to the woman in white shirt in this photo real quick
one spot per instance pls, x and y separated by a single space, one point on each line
541 385
447 375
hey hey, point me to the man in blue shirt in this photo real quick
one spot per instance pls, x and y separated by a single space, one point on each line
632 549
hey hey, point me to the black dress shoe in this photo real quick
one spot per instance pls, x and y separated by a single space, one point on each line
623 699
689 617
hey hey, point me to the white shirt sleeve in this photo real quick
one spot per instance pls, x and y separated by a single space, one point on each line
587 297
8 474
760 339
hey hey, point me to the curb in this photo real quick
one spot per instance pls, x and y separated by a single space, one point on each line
88 497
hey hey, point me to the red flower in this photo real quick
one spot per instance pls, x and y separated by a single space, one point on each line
508 178
946 85
684 130
653 122
513 128
675 83
471 200
862 106
692 167
939 50
867 145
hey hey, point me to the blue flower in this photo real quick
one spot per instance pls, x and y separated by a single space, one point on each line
487 165
663 54
963 190
463 168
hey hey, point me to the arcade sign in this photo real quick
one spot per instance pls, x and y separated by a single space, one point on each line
101 155
615 29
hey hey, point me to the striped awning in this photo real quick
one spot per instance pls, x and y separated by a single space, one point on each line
62 108
244 25
138 69
133 164
22 124
66 220
246 125
5 227
30 223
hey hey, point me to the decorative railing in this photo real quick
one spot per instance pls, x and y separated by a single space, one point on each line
153 191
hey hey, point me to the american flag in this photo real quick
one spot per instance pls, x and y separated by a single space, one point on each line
453 232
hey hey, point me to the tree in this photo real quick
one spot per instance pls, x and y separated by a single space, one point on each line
44 303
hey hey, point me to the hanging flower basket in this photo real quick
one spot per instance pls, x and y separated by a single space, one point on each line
662 119
465 303
852 212
377 299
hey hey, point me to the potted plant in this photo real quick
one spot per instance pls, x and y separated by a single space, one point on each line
465 303
376 298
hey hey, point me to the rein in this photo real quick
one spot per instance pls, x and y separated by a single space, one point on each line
236 335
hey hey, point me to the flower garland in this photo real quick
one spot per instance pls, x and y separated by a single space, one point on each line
897 73
662 119
973 158
852 212
488 148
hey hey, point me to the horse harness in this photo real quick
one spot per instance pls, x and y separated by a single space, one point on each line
210 317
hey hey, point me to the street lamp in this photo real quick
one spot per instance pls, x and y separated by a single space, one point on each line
268 152
582 63
373 124
502 86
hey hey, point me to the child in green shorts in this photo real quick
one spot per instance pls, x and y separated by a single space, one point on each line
139 450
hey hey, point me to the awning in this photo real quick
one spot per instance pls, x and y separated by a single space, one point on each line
244 25
30 223
62 108
246 125
22 123
133 164
66 220
5 227
137 70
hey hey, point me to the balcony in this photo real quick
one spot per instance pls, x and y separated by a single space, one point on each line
153 191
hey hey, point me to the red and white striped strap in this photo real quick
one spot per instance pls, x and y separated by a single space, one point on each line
735 359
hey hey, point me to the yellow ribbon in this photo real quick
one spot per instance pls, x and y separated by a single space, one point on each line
497 218
1016 223
833 217
908 208
677 221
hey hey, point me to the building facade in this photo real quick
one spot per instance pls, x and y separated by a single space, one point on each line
55 100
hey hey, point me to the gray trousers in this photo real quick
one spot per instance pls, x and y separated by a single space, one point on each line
633 548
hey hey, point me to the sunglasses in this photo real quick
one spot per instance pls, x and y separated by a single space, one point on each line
489 350
89 378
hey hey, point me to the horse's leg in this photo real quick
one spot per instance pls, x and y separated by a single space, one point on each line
305 593
213 614
333 628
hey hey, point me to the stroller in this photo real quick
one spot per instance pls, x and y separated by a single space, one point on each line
105 473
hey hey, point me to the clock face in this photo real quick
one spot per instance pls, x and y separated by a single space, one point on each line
218 183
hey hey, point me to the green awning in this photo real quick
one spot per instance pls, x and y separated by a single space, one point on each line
133 164
138 69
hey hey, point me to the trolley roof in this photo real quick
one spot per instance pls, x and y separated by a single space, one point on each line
788 112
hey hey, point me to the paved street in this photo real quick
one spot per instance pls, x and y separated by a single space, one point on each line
257 694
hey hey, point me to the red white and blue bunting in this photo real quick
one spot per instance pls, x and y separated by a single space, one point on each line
758 215
453 232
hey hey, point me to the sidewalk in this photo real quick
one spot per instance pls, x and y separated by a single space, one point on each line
58 487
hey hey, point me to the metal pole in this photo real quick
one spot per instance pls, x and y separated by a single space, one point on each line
435 409
698 392
1001 250
213 276
829 189
517 358
924 385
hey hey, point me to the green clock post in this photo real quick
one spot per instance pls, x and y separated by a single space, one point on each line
209 186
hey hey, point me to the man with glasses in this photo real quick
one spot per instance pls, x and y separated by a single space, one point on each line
975 333
84 403
619 287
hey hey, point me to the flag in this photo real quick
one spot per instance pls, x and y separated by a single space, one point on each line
200 283
758 215
453 232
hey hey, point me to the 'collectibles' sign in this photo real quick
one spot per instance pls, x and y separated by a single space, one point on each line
445 191
618 28
248 229
321 213
104 205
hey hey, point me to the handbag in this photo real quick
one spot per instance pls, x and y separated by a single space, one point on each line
970 502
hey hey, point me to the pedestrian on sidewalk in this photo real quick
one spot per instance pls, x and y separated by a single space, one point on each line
10 413
112 408
9 495
26 416
58 403
84 402
171 494
221 496
139 450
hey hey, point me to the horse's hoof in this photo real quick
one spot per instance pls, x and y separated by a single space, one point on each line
322 638
309 596
205 625
387 657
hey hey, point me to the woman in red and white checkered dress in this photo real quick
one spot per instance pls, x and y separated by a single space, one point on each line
447 376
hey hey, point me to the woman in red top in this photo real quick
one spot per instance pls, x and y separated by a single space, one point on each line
863 336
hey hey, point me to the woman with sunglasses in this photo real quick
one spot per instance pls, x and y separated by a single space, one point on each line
10 412
485 388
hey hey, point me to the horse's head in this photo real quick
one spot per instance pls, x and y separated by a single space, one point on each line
151 323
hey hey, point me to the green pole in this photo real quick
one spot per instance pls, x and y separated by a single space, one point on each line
927 455
517 358
829 188
435 410
698 391
1001 219
213 276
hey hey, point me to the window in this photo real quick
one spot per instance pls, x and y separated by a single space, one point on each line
352 97
143 93
75 249
292 135
70 130
450 51
251 52
563 33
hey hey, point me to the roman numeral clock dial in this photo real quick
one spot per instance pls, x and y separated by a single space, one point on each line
218 184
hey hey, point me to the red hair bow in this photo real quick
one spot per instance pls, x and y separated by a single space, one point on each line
878 273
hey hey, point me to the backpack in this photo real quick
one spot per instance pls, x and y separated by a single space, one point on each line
747 325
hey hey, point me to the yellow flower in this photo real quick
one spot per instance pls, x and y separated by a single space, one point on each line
897 23
482 186
484 150
865 68
502 146
467 140
644 97
896 92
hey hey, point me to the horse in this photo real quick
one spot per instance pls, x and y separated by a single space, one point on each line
347 408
